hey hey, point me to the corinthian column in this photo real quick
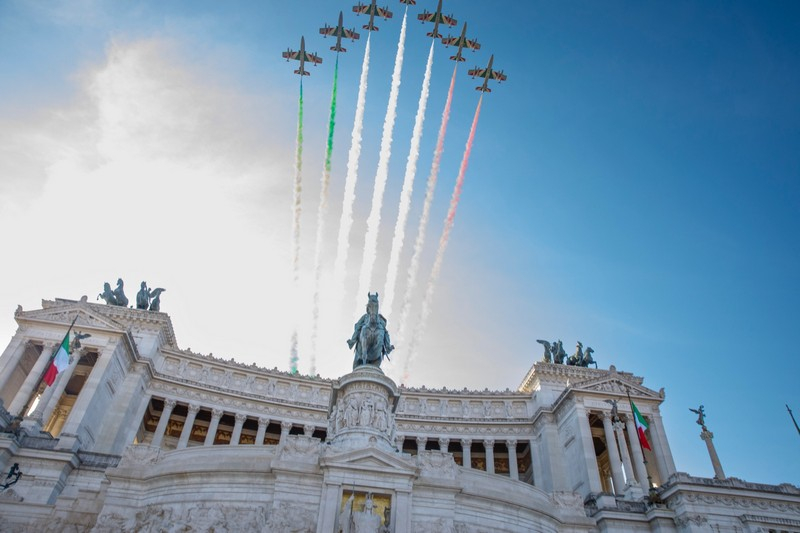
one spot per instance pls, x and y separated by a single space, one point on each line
237 428
513 468
169 404
216 414
188 425
613 455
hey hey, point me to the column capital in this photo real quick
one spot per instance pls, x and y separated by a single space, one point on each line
444 443
466 442
511 443
421 441
286 426
488 443
194 408
706 435
308 430
263 420
169 403
216 413
240 418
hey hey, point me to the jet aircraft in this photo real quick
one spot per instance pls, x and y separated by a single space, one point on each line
437 18
372 10
462 42
488 74
339 31
302 56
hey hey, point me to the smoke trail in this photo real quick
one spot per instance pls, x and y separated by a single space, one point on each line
411 282
448 226
408 187
346 220
374 219
297 209
321 210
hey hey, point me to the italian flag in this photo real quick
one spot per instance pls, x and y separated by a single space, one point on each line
641 426
59 363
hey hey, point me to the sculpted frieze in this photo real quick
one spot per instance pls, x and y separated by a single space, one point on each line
440 525
140 454
292 518
299 448
436 464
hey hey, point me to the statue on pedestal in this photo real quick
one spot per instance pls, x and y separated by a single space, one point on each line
370 336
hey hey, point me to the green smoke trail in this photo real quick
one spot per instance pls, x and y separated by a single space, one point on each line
321 211
296 208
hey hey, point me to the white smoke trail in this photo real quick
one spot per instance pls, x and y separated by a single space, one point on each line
443 240
408 188
419 243
346 220
374 219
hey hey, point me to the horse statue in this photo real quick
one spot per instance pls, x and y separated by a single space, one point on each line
558 352
577 357
119 294
108 295
587 358
370 337
548 350
155 302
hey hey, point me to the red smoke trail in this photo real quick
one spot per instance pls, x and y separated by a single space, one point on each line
419 243
448 226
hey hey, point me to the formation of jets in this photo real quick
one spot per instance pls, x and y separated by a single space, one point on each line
437 18
372 9
302 56
339 31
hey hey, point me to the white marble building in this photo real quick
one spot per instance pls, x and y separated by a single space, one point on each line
139 435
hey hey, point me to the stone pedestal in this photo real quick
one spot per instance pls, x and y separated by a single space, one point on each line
362 410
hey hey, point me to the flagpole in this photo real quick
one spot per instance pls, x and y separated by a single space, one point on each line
793 420
47 366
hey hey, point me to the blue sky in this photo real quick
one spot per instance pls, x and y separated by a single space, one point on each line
633 185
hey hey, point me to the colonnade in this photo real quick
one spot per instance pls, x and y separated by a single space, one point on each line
240 419
466 451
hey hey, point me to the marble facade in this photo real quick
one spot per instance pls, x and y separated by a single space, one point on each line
140 435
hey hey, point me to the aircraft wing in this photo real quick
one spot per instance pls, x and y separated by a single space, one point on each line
450 21
426 17
472 44
361 9
350 34
451 41
383 12
313 58
328 30
477 72
291 54
499 76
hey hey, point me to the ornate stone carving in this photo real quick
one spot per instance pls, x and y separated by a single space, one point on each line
568 500
140 454
436 464
441 525
292 518
299 448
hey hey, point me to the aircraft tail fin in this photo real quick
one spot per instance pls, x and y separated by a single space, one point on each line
302 72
